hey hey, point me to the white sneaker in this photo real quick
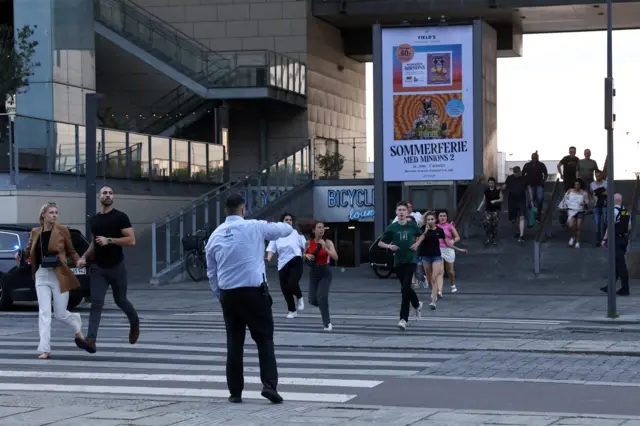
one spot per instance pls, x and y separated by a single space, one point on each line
300 306
572 241
292 315
454 289
402 325
577 245
328 328
419 310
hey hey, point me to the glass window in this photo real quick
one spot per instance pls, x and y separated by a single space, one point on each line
65 148
115 147
82 149
180 159
159 158
198 161
216 163
31 140
139 149
9 242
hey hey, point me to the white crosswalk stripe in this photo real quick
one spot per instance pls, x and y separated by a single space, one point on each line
159 366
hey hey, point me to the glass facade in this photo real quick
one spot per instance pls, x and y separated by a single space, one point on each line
53 147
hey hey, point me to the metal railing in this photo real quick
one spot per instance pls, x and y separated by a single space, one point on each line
465 205
52 147
206 212
260 68
544 222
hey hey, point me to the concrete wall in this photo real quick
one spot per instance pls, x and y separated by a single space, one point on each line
336 84
23 206
337 95
489 101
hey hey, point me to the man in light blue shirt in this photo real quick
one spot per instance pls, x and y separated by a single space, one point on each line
235 267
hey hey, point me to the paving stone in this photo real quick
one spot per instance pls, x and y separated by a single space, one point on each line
168 419
118 414
10 411
595 421
524 420
48 415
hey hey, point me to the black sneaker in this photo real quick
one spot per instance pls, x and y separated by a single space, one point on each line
623 292
272 395
520 239
235 399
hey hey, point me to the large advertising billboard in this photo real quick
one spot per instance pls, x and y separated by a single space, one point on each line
427 95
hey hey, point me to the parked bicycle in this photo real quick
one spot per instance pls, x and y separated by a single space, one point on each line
195 261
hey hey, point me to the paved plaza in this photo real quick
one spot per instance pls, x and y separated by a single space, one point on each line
491 354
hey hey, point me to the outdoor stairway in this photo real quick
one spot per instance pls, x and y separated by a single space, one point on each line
268 185
208 74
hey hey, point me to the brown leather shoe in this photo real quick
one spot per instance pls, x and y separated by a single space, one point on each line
88 345
134 333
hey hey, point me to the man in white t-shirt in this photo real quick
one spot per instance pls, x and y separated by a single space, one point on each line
417 216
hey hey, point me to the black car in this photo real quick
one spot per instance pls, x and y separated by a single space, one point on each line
16 282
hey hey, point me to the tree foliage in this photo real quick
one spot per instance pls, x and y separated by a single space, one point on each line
16 59
330 163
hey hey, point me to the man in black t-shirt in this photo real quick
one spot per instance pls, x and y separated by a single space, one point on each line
516 185
536 174
111 230
569 169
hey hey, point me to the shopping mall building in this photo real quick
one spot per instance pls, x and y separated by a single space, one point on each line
200 93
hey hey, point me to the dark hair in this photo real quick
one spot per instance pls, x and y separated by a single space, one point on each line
580 182
491 179
313 227
105 186
572 147
430 213
445 211
234 202
517 169
402 203
284 216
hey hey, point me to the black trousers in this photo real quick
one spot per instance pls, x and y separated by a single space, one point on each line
101 279
290 275
248 307
404 273
320 278
621 265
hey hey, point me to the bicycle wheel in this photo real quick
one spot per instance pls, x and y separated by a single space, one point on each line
194 266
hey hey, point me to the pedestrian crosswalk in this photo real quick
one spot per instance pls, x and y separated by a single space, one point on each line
166 367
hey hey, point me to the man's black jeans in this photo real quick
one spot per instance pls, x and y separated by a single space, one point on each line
101 279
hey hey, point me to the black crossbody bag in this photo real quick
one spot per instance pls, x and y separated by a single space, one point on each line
314 254
49 260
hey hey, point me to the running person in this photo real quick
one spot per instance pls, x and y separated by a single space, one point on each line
289 250
446 247
318 254
402 238
431 257
111 230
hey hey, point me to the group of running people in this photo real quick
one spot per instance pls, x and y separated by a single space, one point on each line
423 247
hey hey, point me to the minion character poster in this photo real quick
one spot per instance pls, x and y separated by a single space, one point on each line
428 103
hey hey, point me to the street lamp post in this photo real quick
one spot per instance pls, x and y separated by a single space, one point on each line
608 124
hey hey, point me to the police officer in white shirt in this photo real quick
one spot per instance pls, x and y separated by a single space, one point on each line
235 267
417 216
289 251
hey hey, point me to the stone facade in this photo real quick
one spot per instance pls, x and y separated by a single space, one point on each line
335 83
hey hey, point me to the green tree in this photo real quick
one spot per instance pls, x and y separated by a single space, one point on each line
16 59
331 164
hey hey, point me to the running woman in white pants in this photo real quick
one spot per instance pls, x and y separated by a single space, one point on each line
48 248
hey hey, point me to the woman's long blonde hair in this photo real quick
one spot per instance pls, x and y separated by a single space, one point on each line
44 209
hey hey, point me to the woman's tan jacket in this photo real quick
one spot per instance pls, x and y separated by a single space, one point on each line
61 243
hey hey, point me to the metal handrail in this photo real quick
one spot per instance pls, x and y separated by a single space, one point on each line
466 201
227 187
634 210
547 211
